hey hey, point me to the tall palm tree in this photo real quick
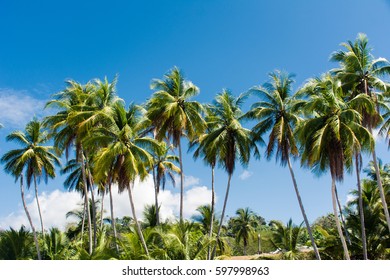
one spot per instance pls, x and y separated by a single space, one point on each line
329 136
209 155
125 155
243 225
275 113
163 168
65 130
361 73
174 115
229 139
34 158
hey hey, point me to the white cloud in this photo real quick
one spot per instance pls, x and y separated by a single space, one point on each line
189 181
245 175
17 107
56 204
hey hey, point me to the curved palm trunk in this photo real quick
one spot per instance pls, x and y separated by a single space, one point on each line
83 222
113 222
316 252
156 191
379 180
29 219
361 212
86 200
223 214
141 237
336 218
224 206
38 204
342 217
181 182
93 215
102 209
380 187
212 210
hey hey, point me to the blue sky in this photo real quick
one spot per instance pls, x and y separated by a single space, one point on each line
218 44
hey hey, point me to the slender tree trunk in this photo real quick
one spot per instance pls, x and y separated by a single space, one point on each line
86 199
245 245
342 218
313 243
140 235
336 218
29 219
224 206
212 210
102 209
181 182
379 179
223 215
156 191
94 219
38 204
93 215
380 187
83 222
113 222
361 212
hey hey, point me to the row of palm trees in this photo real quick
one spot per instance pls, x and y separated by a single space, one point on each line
328 122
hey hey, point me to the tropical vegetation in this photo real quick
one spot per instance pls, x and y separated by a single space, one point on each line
98 143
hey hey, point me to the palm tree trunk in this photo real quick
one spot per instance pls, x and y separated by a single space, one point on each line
29 218
113 222
94 218
342 218
83 222
181 182
156 191
336 218
309 231
380 186
379 179
223 215
361 212
212 209
86 199
140 235
102 208
39 206
224 206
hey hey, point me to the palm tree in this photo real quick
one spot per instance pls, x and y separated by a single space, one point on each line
286 238
229 139
163 168
330 135
210 158
375 225
361 73
16 245
243 225
173 114
275 113
125 155
34 158
66 131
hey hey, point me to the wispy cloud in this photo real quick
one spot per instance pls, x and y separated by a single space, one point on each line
56 204
245 175
17 107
